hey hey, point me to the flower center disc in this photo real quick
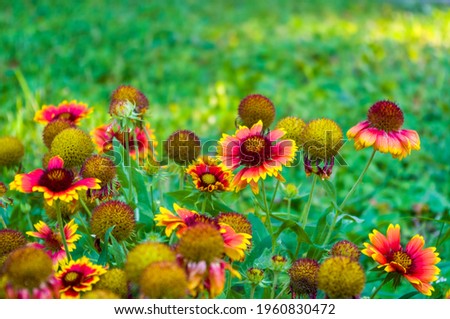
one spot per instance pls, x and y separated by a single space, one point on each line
402 259
386 116
72 278
208 178
57 180
254 151
53 242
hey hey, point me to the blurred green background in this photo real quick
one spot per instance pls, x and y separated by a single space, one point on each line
195 60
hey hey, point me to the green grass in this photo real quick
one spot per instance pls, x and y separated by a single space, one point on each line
195 60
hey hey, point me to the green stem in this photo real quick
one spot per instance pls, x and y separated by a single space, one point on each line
274 195
289 208
358 181
128 162
252 291
182 174
228 284
305 213
3 222
61 229
352 190
380 286
204 205
274 285
267 209
88 211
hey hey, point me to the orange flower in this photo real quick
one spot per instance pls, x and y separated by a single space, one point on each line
416 264
382 130
208 176
258 153
175 221
56 182
70 111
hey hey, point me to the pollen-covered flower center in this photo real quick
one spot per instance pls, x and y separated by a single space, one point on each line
72 278
402 259
255 150
208 178
386 116
57 180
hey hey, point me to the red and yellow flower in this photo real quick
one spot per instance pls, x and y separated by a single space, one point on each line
413 262
141 141
56 182
78 276
235 243
53 244
174 221
72 111
258 153
209 176
383 130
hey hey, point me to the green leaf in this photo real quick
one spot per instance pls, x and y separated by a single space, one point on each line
104 255
351 217
296 228
409 295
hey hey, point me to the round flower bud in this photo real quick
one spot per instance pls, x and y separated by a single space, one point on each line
125 95
115 281
143 255
183 147
346 248
10 240
100 167
255 275
278 262
290 191
28 267
11 151
341 277
53 128
73 145
113 213
322 139
256 107
164 280
99 294
303 274
201 242
293 126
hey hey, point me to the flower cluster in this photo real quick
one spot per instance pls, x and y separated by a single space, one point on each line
112 217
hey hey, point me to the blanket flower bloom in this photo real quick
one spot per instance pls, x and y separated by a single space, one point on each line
259 153
56 182
383 130
72 111
209 176
53 244
415 263
141 141
78 276
174 221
